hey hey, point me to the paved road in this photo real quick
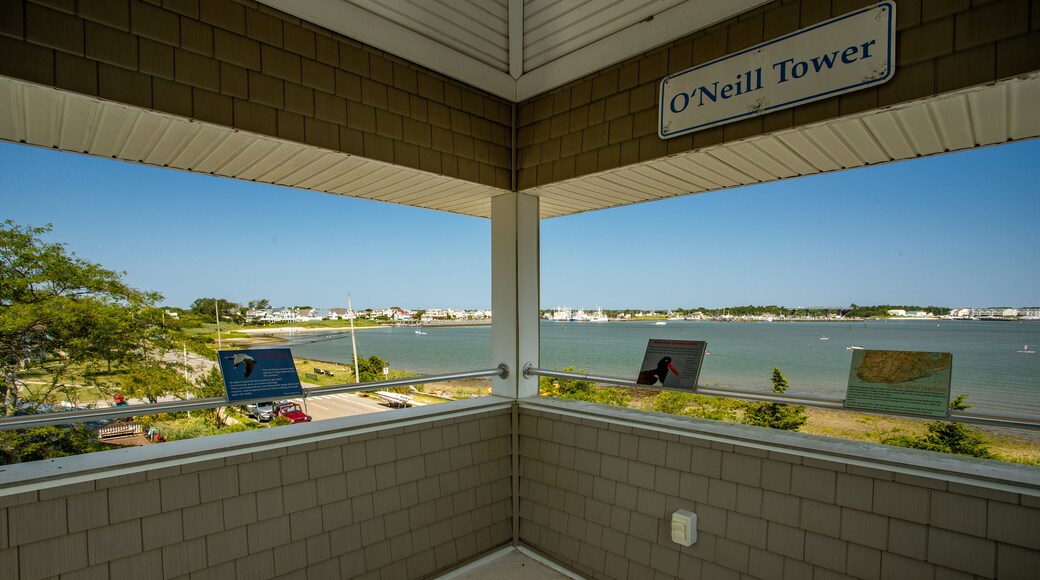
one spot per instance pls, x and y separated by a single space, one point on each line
341 405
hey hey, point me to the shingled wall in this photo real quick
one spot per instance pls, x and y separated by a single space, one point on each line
598 487
242 64
610 119
399 502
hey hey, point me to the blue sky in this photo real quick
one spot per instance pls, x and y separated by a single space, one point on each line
952 230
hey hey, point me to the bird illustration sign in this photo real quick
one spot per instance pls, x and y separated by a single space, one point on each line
261 373
672 363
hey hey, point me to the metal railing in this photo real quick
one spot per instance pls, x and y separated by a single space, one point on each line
806 399
111 413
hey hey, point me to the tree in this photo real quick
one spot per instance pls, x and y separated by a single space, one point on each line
261 304
58 311
205 308
46 442
776 415
371 369
208 386
151 379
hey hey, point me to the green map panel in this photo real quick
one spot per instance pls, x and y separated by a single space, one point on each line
915 383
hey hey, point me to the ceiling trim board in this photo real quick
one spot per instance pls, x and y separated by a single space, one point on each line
667 26
516 40
360 24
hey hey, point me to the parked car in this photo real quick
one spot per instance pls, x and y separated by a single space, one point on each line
292 412
262 412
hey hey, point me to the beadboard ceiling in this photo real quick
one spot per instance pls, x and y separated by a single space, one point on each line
515 49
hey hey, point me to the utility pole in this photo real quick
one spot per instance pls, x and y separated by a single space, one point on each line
353 343
216 310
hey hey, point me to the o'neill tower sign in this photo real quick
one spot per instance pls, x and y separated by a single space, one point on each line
841 55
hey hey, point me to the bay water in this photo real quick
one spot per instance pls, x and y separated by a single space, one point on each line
986 363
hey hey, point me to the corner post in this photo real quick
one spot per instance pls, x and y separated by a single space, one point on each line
514 291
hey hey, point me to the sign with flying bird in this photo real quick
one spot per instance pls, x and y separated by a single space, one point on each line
672 363
268 373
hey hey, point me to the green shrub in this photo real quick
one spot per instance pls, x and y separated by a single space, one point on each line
946 437
776 415
612 396
582 390
714 408
694 405
671 402
47 442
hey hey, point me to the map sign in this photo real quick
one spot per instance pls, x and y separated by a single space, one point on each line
915 383
259 374
672 363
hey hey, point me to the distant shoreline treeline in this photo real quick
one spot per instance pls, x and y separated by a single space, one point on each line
851 311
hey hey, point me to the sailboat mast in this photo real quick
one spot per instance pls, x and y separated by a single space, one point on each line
353 343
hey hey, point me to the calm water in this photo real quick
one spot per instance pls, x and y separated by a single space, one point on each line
986 365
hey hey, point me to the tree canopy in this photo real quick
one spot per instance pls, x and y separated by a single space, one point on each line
208 307
58 311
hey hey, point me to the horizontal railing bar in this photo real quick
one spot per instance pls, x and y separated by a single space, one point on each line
502 371
757 395
997 420
818 401
101 414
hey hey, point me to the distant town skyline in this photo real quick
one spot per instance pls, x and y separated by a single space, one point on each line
956 230
630 309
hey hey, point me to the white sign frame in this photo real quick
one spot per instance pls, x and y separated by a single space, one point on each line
841 55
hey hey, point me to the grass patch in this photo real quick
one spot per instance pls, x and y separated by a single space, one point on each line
342 373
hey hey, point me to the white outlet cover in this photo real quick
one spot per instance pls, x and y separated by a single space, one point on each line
684 527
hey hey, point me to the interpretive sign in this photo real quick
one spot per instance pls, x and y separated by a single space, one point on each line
843 54
915 383
262 373
672 363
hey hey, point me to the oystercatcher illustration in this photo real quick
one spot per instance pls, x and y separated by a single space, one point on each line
240 358
652 376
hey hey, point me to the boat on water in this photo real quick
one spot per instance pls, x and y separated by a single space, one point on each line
598 316
824 337
561 314
419 332
660 323
853 348
1025 349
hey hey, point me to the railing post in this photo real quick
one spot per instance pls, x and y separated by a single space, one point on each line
514 291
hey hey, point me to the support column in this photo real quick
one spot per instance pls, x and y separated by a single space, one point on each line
514 291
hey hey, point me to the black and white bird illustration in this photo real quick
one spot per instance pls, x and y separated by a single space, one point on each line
658 373
241 358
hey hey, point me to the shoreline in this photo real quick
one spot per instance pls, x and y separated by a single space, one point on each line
271 330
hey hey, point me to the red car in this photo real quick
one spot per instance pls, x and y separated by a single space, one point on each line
292 412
